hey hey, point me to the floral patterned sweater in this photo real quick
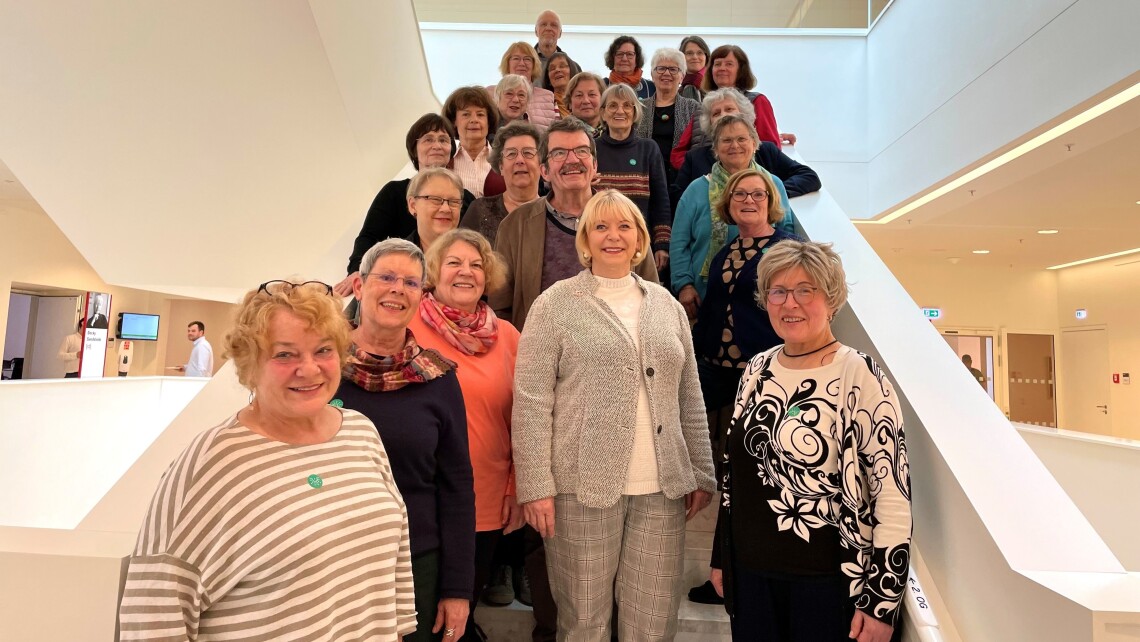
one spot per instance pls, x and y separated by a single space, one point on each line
815 479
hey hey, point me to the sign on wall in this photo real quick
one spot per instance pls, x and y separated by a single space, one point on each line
96 322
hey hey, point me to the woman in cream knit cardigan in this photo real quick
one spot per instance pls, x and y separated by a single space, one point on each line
609 433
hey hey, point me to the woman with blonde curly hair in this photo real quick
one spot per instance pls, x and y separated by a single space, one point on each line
283 521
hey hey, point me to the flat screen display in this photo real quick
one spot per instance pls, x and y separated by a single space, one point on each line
138 327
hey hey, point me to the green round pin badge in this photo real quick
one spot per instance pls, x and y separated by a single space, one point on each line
633 161
336 403
315 481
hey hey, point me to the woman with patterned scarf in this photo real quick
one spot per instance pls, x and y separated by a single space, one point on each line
412 395
698 231
454 320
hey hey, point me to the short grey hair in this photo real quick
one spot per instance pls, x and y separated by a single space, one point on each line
392 246
622 91
423 175
821 263
672 55
733 119
512 81
721 95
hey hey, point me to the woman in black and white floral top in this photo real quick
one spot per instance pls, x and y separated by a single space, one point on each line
813 536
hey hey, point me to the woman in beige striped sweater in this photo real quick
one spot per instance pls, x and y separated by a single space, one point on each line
283 522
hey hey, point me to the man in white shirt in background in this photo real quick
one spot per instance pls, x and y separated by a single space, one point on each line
201 362
69 352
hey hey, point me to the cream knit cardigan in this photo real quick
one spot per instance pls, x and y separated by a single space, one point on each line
577 380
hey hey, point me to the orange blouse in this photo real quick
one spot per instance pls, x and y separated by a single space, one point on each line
487 382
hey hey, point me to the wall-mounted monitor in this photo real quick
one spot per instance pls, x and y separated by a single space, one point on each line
137 327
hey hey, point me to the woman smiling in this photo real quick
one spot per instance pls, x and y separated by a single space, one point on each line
475 118
610 441
634 166
455 321
284 522
413 396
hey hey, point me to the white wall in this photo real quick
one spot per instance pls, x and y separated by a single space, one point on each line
53 319
951 82
276 121
95 436
1100 474
1107 290
16 332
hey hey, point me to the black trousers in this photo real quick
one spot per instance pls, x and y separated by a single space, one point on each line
790 609
485 544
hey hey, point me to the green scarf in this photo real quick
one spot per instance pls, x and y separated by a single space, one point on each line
718 232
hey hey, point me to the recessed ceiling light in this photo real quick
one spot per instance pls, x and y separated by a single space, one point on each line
981 251
1052 134
1046 231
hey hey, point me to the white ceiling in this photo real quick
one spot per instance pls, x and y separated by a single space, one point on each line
1088 192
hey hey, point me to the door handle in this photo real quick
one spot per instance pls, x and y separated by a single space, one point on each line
1104 408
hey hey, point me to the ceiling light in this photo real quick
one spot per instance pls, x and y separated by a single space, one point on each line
981 251
1069 125
1046 231
1095 258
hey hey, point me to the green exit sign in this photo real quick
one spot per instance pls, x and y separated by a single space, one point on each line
932 313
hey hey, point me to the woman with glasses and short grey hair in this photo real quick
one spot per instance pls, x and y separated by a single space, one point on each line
667 113
514 154
813 535
413 396
284 521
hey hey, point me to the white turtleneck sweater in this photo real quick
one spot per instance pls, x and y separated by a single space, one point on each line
624 298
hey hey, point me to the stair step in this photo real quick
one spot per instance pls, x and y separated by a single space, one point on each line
706 622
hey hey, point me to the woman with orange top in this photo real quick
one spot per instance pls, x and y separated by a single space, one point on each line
454 321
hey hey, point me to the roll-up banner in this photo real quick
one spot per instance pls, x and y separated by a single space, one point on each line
97 307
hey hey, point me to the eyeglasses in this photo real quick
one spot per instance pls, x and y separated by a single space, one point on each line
511 153
526 59
625 54
739 140
759 195
803 294
389 279
428 139
285 287
672 71
559 153
438 201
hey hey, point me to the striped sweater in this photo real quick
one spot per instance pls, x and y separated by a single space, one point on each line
634 167
253 539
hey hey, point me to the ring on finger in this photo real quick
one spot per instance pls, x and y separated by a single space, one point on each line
449 632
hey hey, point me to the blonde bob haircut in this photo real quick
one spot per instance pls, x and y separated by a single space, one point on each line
494 269
247 344
822 264
524 49
611 201
775 207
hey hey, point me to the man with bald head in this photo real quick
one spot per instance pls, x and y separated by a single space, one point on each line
548 28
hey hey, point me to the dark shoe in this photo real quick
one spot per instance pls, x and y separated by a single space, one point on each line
705 594
522 584
501 591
